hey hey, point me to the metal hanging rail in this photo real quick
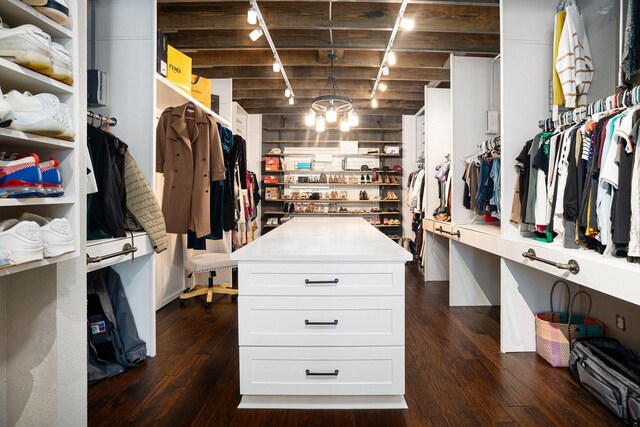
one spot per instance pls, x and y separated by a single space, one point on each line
106 120
126 250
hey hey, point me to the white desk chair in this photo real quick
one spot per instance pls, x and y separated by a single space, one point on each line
214 258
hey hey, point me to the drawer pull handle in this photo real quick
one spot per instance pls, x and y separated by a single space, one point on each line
442 230
309 323
322 374
126 250
321 282
572 265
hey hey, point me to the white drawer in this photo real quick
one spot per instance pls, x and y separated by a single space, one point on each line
321 321
106 247
428 225
306 279
444 229
339 371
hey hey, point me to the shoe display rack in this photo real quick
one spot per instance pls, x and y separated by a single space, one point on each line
362 184
43 302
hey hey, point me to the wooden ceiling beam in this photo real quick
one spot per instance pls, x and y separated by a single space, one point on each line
358 103
351 58
239 95
345 16
483 3
321 84
347 73
347 40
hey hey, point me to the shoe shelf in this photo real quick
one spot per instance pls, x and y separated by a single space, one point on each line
318 172
386 156
20 13
332 213
331 201
363 129
37 201
317 184
14 76
10 138
170 95
36 264
330 141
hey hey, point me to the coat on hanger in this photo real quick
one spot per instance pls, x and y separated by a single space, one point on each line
189 155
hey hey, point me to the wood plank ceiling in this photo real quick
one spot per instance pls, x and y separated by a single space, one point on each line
215 34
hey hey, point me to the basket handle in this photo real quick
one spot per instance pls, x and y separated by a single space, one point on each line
553 288
586 317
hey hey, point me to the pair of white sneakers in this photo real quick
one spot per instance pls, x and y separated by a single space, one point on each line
29 46
272 221
58 10
32 238
41 114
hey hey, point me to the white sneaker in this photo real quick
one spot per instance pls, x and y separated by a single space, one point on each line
58 10
36 114
27 45
21 241
61 64
56 233
6 112
62 114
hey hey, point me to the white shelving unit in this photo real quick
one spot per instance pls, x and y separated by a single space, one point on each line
43 303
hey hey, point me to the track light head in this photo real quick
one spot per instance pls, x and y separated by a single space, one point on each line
252 16
255 34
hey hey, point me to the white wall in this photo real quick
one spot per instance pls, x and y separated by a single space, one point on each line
3 358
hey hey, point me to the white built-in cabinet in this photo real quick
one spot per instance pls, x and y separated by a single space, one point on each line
483 262
42 303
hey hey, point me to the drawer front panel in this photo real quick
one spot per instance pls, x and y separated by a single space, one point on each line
321 321
322 371
293 279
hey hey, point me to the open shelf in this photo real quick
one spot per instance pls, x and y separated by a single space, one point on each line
16 13
317 184
397 156
21 140
37 201
14 76
36 264
170 95
355 129
330 141
318 172
335 213
331 201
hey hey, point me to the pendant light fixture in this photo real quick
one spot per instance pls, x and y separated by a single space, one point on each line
344 124
310 118
333 107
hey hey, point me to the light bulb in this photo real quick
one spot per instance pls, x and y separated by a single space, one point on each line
374 103
320 124
407 23
385 71
382 86
287 92
276 67
353 118
291 102
391 58
344 124
255 34
310 118
252 17
332 114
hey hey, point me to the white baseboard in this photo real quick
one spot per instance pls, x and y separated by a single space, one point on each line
322 402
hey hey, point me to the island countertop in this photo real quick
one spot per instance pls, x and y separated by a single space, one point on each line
324 239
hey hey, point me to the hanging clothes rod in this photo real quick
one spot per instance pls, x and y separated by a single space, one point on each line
627 98
104 120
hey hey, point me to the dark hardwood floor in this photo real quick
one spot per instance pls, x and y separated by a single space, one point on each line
455 375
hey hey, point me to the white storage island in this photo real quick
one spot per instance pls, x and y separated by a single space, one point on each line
321 317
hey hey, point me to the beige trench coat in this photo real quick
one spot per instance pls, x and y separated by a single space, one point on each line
189 155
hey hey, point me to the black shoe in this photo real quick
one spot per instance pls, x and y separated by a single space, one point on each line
286 207
292 207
